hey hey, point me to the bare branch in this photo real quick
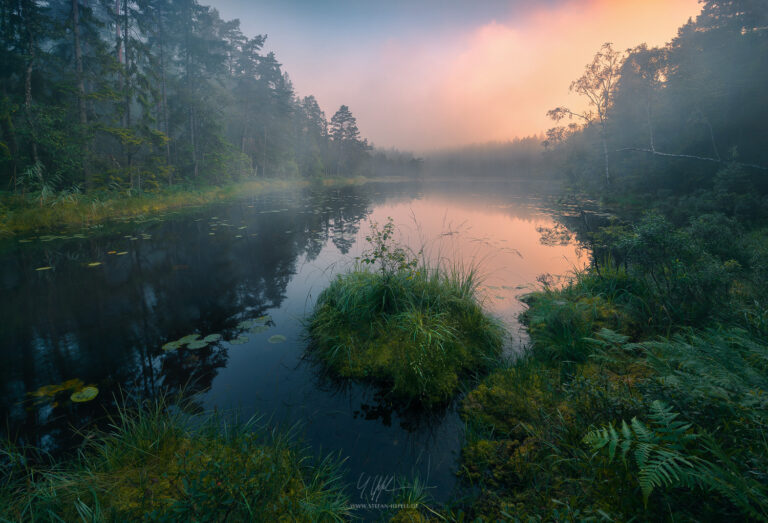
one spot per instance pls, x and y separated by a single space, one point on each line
691 157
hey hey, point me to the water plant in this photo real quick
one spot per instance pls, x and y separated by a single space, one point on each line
413 327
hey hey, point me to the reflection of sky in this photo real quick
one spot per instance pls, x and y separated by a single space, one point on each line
271 379
425 73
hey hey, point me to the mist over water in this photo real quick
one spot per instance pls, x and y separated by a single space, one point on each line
205 271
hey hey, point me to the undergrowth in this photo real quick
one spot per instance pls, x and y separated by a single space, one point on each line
153 464
643 393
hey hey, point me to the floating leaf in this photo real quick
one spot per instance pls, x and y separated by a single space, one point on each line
240 340
211 338
122 253
94 264
84 394
44 268
25 241
263 319
111 252
238 235
189 338
171 346
199 344
246 324
243 227
259 329
277 338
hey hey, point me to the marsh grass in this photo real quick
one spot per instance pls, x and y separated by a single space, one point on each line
25 214
618 410
154 464
415 327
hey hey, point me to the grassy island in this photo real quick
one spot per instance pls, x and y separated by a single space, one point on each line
396 321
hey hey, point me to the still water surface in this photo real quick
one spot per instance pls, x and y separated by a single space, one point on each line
208 269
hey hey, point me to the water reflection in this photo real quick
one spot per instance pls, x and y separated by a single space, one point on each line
209 270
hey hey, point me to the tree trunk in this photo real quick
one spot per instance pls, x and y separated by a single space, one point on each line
192 141
165 101
604 139
28 97
81 94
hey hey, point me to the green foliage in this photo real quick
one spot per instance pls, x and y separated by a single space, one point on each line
152 465
657 449
414 328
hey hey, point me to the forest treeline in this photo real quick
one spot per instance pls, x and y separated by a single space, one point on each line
141 94
677 119
671 120
641 395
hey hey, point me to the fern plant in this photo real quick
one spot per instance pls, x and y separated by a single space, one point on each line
659 450
665 456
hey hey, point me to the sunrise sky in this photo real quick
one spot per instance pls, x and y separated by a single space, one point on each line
425 74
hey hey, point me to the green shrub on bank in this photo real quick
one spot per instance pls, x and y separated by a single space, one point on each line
402 323
152 466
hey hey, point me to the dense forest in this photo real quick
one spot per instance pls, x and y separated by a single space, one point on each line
144 94
678 119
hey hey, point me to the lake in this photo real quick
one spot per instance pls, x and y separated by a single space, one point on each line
106 299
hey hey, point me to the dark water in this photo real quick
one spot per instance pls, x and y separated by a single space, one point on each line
206 270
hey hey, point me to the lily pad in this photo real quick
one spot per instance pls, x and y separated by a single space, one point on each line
246 324
44 268
94 264
171 346
211 338
240 340
122 253
259 329
189 338
277 338
199 344
84 394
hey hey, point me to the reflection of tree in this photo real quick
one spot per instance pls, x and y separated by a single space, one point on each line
106 324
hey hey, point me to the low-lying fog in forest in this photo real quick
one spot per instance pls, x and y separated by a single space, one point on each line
223 299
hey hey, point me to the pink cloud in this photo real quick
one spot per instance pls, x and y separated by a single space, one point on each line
493 82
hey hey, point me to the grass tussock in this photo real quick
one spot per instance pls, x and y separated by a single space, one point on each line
151 465
415 328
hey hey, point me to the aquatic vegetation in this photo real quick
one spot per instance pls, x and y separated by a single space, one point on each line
277 338
80 393
197 344
192 342
240 340
413 328
153 465
84 394
171 346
